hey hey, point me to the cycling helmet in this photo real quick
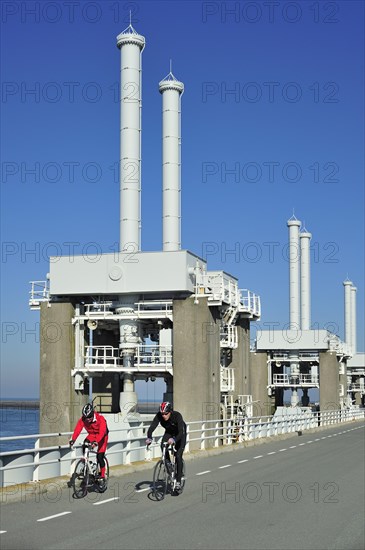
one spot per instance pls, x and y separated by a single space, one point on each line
88 411
165 407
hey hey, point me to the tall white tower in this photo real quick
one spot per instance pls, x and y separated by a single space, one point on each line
131 45
348 333
294 297
305 305
353 320
171 90
294 263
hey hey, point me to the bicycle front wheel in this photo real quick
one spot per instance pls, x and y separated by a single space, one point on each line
183 476
160 480
80 479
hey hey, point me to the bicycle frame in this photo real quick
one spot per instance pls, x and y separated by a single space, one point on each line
90 462
165 473
170 465
86 471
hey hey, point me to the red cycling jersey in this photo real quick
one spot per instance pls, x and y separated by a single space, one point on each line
97 430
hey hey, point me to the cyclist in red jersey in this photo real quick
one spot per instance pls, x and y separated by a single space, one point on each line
97 429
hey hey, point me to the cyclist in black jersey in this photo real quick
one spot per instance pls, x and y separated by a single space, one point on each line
175 433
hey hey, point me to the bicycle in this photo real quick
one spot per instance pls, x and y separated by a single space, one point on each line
86 473
164 474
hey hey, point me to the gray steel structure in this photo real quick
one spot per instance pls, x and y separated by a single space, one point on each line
300 358
141 315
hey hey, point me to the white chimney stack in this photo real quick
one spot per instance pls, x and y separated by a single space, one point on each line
131 45
305 305
348 337
353 320
294 259
171 90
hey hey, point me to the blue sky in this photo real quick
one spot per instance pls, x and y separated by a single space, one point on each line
273 93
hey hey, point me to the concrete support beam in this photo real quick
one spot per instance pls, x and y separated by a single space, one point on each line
196 380
329 398
258 376
60 406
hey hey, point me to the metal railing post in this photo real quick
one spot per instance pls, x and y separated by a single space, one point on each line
36 459
187 446
216 438
202 443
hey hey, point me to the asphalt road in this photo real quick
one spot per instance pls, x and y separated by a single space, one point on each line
305 493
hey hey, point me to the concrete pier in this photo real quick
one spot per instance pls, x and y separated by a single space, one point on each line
196 360
329 382
258 368
60 405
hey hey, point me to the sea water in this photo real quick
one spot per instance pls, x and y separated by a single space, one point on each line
16 421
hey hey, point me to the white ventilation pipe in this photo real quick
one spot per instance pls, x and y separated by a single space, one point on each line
294 299
353 320
171 90
348 338
131 45
305 305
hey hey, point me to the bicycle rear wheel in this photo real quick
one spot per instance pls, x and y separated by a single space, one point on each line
80 479
159 481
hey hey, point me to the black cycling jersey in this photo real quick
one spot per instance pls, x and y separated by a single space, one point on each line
174 426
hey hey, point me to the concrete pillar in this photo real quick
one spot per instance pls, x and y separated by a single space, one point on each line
196 361
241 359
258 377
60 406
329 399
128 397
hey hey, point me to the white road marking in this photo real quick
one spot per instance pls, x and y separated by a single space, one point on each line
108 500
226 466
242 461
259 456
301 444
281 450
202 473
1 532
272 453
55 516
146 489
293 447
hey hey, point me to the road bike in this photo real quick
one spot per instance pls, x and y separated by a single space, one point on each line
86 475
164 474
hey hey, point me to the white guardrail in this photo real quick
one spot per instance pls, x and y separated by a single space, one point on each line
127 445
